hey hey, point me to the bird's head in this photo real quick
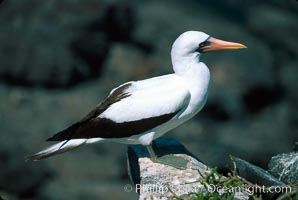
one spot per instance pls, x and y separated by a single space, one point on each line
194 43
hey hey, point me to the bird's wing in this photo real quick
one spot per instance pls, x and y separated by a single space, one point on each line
131 109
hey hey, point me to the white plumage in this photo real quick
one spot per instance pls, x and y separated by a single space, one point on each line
147 101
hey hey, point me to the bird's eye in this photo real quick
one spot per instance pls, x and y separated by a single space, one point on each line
202 45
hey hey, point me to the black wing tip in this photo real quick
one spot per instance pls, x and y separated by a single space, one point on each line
50 139
65 134
62 135
58 137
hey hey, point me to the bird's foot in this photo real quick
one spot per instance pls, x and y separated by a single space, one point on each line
172 160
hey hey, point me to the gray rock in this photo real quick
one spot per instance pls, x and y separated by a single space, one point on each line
288 5
255 174
285 167
288 79
157 181
276 25
289 82
61 189
19 177
35 44
55 43
125 63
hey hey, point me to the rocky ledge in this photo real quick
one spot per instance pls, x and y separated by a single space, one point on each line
158 181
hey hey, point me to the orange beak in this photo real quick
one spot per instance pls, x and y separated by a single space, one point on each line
217 45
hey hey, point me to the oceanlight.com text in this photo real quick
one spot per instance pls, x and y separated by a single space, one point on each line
249 189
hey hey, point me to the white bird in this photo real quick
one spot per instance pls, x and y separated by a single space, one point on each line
138 112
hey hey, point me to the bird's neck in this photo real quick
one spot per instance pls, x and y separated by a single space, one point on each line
190 67
197 77
194 72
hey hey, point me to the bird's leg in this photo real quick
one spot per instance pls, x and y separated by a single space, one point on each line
151 152
170 159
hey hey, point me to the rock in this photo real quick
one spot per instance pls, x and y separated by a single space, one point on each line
288 79
118 22
255 174
125 63
154 180
276 25
289 82
162 146
94 43
86 189
92 48
285 167
18 177
54 44
288 5
158 181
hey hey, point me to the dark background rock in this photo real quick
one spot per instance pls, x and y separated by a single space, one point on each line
58 59
285 167
254 174
29 178
66 40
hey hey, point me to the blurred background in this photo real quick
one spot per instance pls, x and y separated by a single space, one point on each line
58 59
